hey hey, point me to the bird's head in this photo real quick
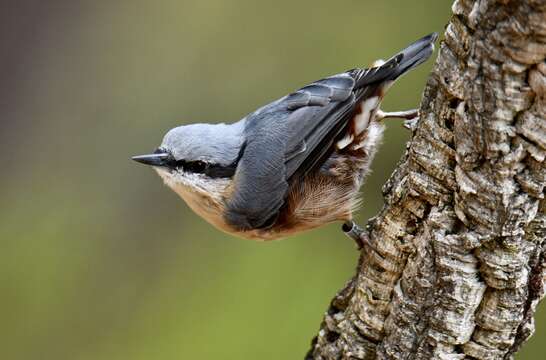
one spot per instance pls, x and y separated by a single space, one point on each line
198 161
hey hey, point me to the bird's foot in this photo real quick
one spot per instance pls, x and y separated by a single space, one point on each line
411 124
355 232
411 116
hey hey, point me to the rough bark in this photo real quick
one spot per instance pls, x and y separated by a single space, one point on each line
455 264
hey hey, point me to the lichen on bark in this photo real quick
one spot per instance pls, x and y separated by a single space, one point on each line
455 264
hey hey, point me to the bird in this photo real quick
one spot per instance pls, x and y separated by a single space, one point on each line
294 164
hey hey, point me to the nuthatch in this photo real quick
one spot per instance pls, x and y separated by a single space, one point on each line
292 165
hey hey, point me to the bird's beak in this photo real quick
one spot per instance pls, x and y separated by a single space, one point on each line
160 159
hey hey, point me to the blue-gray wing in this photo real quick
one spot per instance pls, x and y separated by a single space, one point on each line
278 143
259 182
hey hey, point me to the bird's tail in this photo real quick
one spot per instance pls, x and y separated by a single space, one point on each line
415 54
412 56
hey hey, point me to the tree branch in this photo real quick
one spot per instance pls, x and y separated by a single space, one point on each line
456 260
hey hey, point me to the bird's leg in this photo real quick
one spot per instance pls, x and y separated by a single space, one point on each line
408 114
411 116
355 232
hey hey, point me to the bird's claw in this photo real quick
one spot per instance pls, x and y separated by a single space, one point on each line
411 124
355 232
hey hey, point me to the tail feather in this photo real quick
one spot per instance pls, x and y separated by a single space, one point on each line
416 54
412 56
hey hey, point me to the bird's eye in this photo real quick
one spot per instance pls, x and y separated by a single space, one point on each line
197 166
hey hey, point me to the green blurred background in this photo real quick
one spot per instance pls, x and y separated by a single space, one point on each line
98 259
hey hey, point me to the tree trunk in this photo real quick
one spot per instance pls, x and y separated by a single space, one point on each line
456 260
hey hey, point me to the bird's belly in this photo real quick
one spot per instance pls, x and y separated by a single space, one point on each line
318 200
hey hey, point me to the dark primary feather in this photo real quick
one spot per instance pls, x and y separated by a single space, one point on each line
294 135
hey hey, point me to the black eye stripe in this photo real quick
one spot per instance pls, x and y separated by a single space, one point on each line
201 167
219 171
209 169
198 167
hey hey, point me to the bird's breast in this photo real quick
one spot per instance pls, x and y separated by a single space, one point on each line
203 205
